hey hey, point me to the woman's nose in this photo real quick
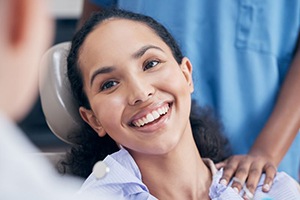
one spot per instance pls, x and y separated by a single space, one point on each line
139 91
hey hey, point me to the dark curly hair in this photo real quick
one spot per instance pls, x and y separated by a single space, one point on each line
89 147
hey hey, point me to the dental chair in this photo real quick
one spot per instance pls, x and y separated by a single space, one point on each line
59 108
58 105
60 111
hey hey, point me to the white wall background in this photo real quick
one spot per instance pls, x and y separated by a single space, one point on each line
65 8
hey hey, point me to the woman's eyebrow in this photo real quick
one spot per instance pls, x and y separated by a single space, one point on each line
102 70
143 50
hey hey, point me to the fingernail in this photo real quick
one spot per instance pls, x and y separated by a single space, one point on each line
266 187
236 189
223 182
246 197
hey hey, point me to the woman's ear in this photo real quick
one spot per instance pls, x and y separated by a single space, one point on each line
89 117
186 68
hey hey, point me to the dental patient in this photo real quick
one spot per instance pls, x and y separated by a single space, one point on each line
134 86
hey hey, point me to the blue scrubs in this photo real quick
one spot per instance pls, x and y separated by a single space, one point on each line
241 51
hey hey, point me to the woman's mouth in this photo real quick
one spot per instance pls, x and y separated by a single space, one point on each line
151 116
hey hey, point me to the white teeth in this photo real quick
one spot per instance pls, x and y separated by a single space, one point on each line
150 117
155 114
141 122
160 111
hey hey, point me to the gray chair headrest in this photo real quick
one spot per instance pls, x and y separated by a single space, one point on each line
60 108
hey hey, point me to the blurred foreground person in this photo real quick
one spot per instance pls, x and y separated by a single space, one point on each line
26 32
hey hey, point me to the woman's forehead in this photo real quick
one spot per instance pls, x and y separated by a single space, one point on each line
119 30
116 34
117 40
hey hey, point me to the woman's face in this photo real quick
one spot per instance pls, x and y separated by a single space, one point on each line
138 93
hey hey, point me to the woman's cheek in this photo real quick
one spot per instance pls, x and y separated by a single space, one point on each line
110 108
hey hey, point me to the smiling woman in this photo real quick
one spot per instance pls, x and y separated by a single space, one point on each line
134 86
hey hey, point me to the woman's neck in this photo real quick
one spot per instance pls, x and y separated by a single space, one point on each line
179 174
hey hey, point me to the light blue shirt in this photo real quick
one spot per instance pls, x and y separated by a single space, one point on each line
124 181
241 51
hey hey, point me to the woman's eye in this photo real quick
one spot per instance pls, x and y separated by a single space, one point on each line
150 64
107 85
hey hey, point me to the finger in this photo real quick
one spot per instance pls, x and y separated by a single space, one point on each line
241 175
237 184
247 194
270 171
229 170
254 175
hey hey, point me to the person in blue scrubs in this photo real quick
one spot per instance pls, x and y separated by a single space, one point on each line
246 67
